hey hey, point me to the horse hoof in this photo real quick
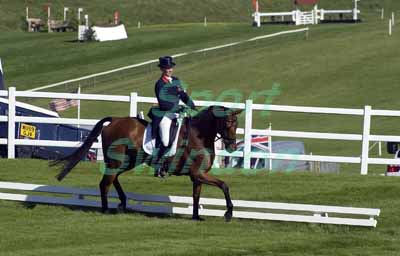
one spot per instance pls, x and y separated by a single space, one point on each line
105 211
197 218
228 216
121 208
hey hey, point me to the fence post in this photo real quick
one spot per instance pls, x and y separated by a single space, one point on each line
380 148
257 19
247 134
133 105
270 147
365 140
11 123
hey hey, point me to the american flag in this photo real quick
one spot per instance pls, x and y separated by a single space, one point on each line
62 104
2 87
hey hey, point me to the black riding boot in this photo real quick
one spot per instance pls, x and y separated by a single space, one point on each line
159 171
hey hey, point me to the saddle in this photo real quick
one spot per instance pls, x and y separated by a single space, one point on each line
152 140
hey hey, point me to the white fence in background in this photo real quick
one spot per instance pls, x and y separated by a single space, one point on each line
361 157
309 17
184 205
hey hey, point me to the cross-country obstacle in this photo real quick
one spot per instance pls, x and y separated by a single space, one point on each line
36 24
184 205
300 17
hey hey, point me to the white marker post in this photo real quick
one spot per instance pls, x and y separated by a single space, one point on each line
392 19
205 21
382 13
80 10
48 18
87 21
390 27
355 11
2 86
66 9
257 16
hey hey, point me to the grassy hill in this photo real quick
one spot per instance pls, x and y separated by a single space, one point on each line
12 13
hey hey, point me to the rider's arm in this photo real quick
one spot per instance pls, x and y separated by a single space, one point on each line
186 98
183 94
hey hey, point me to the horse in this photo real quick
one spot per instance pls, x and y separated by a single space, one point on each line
122 142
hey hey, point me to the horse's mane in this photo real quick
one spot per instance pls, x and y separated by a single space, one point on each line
207 114
203 114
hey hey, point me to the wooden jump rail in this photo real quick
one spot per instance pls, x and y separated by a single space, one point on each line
243 209
59 26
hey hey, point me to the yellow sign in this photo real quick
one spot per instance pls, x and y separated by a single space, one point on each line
28 131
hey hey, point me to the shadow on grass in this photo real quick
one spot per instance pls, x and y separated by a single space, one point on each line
111 211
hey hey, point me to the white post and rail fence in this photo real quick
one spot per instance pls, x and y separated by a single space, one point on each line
133 99
161 204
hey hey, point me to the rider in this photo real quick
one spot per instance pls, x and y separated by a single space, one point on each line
168 91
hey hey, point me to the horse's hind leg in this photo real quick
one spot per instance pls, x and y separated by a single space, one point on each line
104 185
210 180
121 193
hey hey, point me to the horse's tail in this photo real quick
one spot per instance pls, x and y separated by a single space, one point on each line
70 161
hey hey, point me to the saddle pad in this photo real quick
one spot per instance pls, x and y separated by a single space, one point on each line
149 143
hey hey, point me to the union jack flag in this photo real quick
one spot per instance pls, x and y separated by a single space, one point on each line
261 142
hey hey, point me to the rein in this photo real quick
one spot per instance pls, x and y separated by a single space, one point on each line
185 138
225 139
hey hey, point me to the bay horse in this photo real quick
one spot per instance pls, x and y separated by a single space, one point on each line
122 147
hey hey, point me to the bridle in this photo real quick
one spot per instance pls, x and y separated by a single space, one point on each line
223 130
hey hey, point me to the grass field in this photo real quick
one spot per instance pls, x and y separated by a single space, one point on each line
39 229
338 65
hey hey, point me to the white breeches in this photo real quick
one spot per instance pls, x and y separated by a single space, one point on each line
165 126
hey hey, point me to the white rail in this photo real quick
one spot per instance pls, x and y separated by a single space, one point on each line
313 16
359 157
184 205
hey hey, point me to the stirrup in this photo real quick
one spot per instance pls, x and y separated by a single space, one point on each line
160 173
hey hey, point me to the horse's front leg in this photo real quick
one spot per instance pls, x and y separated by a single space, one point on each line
210 180
229 205
196 199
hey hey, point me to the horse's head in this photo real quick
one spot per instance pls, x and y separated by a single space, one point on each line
226 125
